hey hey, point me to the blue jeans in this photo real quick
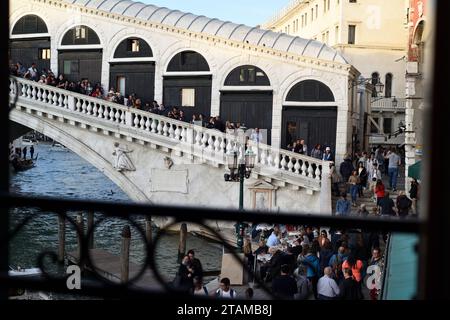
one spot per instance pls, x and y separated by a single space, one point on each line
354 191
393 172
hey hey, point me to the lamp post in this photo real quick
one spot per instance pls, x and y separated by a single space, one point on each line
240 169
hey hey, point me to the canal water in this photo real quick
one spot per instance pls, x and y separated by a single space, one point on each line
61 173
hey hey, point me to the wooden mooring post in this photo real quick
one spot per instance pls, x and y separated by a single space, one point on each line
148 229
125 254
90 229
80 235
61 237
182 244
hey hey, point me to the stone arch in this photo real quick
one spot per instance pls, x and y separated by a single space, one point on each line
64 28
201 60
82 150
232 76
237 61
41 25
89 35
322 92
123 34
28 10
300 76
418 40
171 51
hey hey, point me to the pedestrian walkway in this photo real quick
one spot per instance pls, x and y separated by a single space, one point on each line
368 199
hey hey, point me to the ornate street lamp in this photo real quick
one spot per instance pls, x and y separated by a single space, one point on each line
240 169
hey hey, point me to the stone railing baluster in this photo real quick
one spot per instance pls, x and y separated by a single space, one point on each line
269 158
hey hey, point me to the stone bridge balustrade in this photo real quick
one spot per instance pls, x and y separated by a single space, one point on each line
188 140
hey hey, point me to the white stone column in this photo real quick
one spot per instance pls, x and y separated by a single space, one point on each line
158 82
277 116
325 191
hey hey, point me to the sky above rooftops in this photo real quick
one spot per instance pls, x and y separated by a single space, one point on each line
248 12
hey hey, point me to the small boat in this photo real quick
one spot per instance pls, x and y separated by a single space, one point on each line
21 272
58 146
23 294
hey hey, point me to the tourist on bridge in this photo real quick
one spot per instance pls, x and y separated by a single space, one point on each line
328 156
32 72
256 136
21 70
379 191
354 182
335 180
362 173
394 162
387 206
346 168
343 205
403 205
414 194
317 152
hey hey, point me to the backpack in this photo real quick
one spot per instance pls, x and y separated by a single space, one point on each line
337 266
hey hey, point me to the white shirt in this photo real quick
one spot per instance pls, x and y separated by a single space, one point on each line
273 240
327 287
256 136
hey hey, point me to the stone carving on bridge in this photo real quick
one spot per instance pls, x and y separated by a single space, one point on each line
121 160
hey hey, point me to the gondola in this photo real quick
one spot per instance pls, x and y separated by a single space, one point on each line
23 164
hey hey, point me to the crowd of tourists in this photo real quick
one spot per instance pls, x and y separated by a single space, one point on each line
363 177
315 263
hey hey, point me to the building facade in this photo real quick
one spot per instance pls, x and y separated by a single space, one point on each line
371 35
417 38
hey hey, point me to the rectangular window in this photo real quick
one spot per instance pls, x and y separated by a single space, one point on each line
312 14
373 128
328 5
187 97
242 75
133 45
352 1
351 34
70 66
336 34
121 85
317 11
251 74
324 6
303 20
387 125
80 32
44 54
306 19
67 66
327 37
